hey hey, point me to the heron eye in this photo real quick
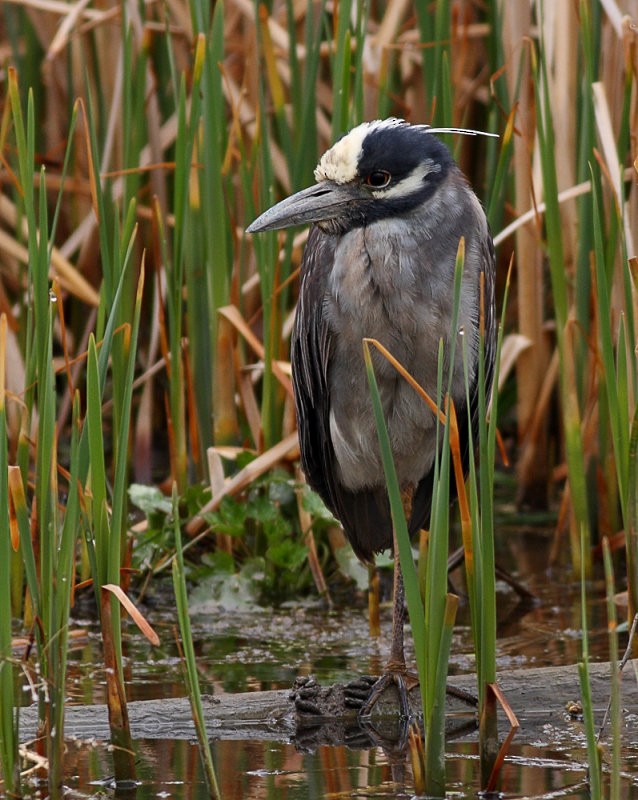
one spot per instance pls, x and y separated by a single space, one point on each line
378 179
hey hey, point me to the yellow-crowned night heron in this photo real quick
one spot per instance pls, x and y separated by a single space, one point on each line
389 208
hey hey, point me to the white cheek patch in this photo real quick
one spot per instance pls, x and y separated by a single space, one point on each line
411 183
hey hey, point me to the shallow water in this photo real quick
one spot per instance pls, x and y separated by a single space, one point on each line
269 649
249 769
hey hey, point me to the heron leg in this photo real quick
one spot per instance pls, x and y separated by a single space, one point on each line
397 655
395 671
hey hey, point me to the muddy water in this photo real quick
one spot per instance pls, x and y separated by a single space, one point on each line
268 649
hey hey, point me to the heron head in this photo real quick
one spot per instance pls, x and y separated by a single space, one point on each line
379 169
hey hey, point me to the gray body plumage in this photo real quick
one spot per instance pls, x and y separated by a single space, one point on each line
384 268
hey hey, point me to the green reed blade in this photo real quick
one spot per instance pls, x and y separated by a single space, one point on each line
267 255
431 626
119 493
487 446
435 740
69 532
200 15
436 579
103 360
185 241
192 679
631 532
593 754
103 210
435 32
438 546
306 102
431 620
98 540
614 675
18 497
614 384
589 33
358 100
571 412
341 79
413 597
217 194
498 183
68 154
46 484
8 718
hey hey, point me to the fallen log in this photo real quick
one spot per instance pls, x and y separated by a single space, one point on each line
545 700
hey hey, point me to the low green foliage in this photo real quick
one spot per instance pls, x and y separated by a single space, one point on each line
267 557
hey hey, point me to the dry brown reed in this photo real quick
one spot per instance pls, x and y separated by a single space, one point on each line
66 50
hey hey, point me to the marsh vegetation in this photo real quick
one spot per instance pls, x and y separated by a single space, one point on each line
145 391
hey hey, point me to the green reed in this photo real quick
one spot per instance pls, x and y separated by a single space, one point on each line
428 625
612 719
479 545
571 411
188 650
48 556
94 495
8 717
593 753
431 607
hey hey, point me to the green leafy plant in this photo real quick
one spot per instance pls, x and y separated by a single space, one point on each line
265 555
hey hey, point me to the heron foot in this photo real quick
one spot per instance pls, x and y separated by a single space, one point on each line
365 692
357 691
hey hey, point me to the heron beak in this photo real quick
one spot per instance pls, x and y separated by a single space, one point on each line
322 201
